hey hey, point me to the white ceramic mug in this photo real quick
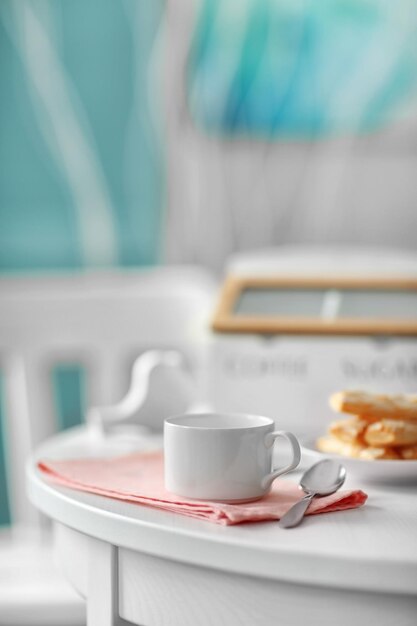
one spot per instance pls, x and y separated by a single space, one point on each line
222 456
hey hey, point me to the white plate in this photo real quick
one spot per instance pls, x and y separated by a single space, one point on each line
383 471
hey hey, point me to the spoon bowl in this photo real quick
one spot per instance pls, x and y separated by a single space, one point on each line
323 478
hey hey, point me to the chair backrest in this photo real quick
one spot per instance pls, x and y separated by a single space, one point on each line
100 320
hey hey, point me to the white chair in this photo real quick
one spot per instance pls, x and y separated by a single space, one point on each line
102 321
160 385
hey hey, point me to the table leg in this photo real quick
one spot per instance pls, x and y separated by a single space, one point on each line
103 588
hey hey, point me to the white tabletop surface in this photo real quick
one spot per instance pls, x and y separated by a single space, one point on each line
373 548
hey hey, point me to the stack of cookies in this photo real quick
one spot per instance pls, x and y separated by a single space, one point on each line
378 426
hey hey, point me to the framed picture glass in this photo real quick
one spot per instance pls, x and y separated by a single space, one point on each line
332 305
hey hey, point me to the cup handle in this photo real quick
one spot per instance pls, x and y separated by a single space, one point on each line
296 455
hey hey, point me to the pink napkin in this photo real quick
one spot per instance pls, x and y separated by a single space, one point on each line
139 478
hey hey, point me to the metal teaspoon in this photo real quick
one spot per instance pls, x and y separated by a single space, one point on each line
321 479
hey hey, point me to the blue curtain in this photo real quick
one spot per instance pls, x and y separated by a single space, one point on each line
76 73
303 68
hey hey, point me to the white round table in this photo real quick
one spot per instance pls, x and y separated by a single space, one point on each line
156 568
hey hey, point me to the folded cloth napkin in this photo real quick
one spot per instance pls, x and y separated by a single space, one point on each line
139 478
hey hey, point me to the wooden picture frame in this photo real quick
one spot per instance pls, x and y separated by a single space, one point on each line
227 320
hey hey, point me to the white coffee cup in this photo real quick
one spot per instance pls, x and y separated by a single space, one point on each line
223 456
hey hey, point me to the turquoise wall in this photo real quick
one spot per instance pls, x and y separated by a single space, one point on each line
98 77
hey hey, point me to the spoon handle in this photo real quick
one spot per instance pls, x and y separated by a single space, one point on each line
296 513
